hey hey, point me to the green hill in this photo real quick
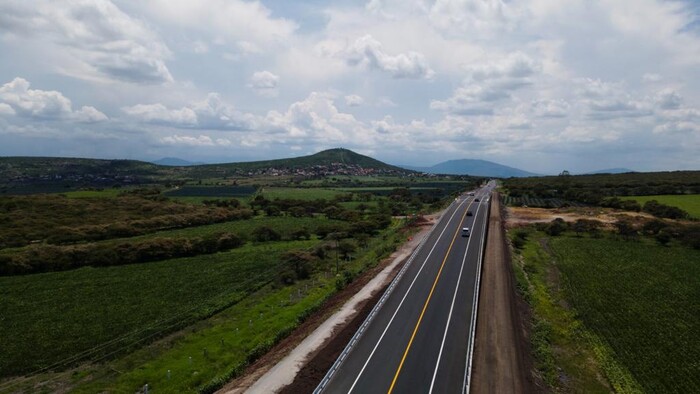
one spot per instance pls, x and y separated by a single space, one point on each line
26 175
323 158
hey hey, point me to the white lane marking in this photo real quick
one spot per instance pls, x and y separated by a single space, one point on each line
403 299
377 307
452 306
475 308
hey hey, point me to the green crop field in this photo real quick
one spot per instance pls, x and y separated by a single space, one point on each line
78 311
272 193
687 202
641 300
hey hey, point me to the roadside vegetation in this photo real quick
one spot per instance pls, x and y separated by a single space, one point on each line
614 307
182 285
689 203
599 190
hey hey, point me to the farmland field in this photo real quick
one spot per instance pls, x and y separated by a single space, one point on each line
272 193
74 311
212 191
687 202
641 300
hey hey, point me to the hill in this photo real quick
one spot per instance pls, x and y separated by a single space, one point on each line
28 175
473 167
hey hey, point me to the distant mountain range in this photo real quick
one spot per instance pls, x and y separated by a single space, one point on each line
473 167
176 162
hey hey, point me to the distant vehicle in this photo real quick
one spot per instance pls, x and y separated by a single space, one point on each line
476 200
471 193
465 231
469 213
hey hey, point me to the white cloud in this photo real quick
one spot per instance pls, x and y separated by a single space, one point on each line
248 26
158 113
489 85
354 100
42 104
367 52
5 109
103 40
264 83
668 99
89 114
551 108
201 140
683 127
211 113
317 118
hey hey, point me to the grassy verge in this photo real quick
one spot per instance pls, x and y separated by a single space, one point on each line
626 310
687 202
560 343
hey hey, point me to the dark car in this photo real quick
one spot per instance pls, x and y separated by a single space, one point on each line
469 213
476 200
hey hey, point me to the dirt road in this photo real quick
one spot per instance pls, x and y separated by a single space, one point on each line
501 357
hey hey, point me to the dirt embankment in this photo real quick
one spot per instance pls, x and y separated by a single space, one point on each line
502 358
520 216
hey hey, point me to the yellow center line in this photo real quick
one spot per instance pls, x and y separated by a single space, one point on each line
427 301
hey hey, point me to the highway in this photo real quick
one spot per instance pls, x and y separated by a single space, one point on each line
419 337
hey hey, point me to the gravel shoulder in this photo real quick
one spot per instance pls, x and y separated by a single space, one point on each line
502 361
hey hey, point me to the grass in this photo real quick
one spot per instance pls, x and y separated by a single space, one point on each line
625 308
75 311
687 202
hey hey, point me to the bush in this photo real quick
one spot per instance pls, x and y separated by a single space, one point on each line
265 234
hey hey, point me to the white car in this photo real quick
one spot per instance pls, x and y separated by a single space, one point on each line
465 231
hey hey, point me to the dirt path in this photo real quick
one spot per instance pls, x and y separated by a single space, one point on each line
501 357
300 361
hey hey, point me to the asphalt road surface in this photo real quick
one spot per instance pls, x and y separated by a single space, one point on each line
419 339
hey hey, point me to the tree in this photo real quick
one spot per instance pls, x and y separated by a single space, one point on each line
346 247
556 227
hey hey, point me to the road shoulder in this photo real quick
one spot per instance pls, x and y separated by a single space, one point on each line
502 361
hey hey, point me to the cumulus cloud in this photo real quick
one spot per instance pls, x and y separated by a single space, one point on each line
682 127
247 26
668 99
607 100
317 117
17 98
96 34
159 113
354 100
369 53
551 108
211 113
197 141
264 83
488 85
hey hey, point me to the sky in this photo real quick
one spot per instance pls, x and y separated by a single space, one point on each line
542 85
